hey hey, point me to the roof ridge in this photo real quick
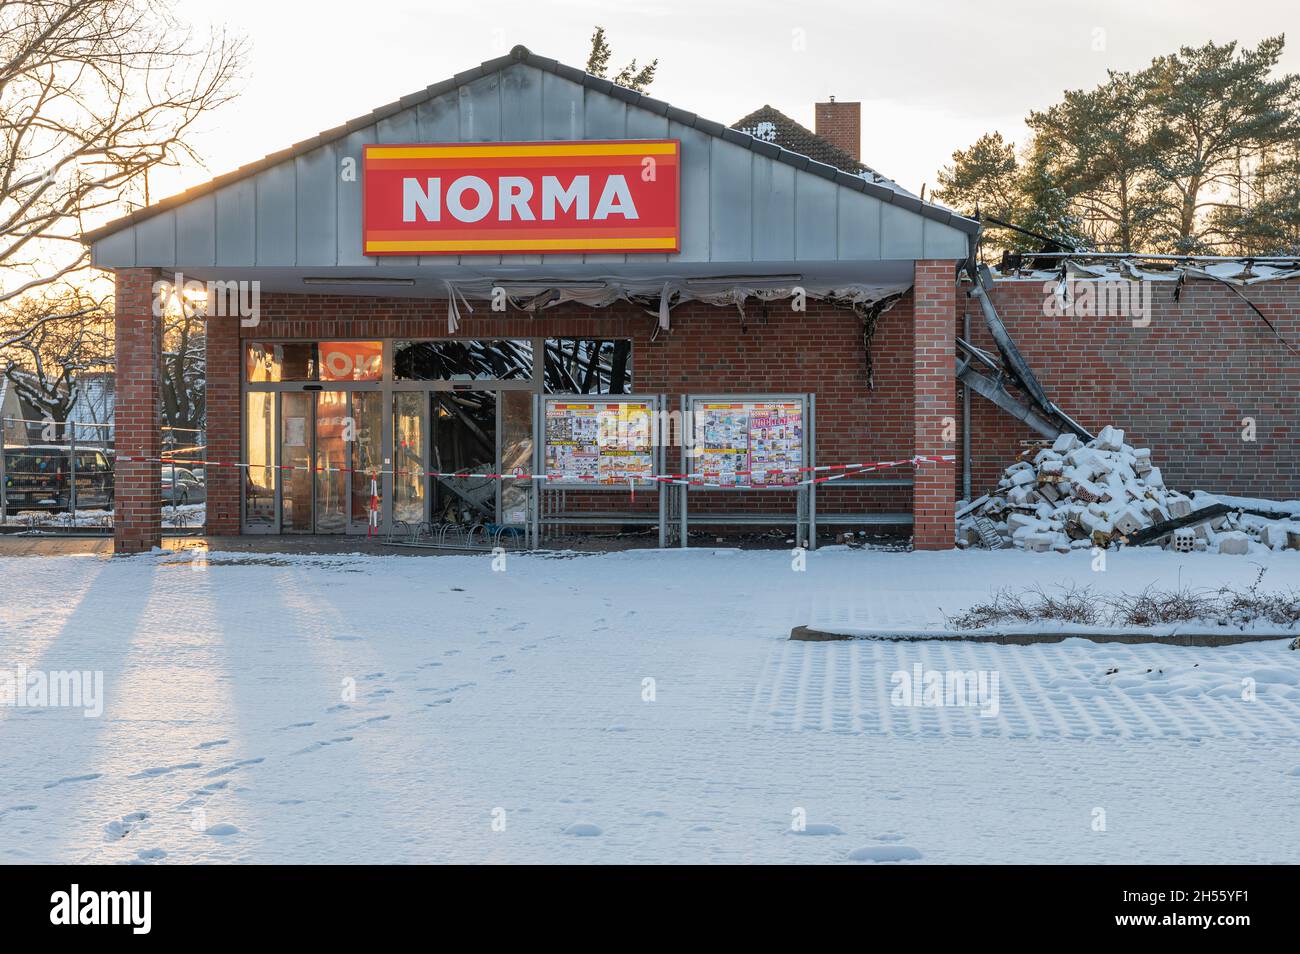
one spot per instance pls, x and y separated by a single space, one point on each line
521 54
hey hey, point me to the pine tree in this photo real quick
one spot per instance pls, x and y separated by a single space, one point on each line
631 76
1102 160
1265 219
983 177
1203 105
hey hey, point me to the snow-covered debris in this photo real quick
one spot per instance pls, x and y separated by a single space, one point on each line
1072 495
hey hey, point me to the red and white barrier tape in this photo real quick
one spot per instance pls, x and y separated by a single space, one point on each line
830 472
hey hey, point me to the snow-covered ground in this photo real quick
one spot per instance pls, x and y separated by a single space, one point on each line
631 707
179 517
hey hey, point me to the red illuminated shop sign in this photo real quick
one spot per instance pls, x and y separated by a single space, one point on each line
522 197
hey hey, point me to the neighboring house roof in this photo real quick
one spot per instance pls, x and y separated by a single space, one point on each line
883 190
96 398
771 125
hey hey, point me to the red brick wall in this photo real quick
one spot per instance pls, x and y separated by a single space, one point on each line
708 350
1180 385
840 124
224 484
934 399
137 487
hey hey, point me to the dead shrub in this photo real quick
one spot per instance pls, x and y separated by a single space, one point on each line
1069 603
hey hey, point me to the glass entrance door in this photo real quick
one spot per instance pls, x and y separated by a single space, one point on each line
410 426
297 430
331 461
463 428
329 447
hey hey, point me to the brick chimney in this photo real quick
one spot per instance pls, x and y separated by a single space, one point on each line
840 124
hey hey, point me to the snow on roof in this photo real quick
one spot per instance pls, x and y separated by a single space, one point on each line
771 125
1155 268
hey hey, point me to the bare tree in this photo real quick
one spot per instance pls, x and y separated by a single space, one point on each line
93 95
183 369
51 340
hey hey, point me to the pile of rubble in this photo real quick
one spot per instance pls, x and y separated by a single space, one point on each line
1074 495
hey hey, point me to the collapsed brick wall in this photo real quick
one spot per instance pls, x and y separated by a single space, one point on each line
1181 385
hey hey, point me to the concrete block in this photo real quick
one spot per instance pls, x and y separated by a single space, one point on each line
1234 542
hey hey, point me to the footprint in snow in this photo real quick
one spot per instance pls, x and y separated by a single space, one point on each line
817 828
339 707
222 830
884 853
497 659
213 744
150 854
67 779
120 828
317 746
227 769
429 665
157 770
583 830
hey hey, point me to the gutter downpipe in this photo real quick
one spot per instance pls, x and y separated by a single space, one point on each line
965 420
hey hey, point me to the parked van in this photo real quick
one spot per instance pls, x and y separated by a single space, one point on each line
39 477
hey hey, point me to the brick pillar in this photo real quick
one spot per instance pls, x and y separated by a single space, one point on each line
934 494
137 492
224 483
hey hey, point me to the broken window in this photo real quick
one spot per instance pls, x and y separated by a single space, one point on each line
466 360
588 366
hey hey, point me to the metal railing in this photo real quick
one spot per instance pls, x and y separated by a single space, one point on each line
60 447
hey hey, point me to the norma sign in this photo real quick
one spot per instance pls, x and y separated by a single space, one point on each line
520 197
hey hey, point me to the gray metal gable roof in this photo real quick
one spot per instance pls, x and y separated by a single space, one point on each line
743 199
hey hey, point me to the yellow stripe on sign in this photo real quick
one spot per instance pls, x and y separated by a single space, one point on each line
519 245
541 149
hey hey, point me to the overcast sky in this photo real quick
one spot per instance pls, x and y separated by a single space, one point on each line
932 75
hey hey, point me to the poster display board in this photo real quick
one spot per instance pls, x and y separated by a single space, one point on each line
605 441
739 442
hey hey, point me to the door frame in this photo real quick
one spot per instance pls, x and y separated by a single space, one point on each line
277 391
389 386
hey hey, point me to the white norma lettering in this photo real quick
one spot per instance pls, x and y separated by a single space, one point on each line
426 200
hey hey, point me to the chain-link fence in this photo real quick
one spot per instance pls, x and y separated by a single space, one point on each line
59 477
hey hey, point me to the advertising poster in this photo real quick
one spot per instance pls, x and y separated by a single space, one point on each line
740 443
599 442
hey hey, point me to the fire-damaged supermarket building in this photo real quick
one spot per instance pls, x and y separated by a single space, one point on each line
525 302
